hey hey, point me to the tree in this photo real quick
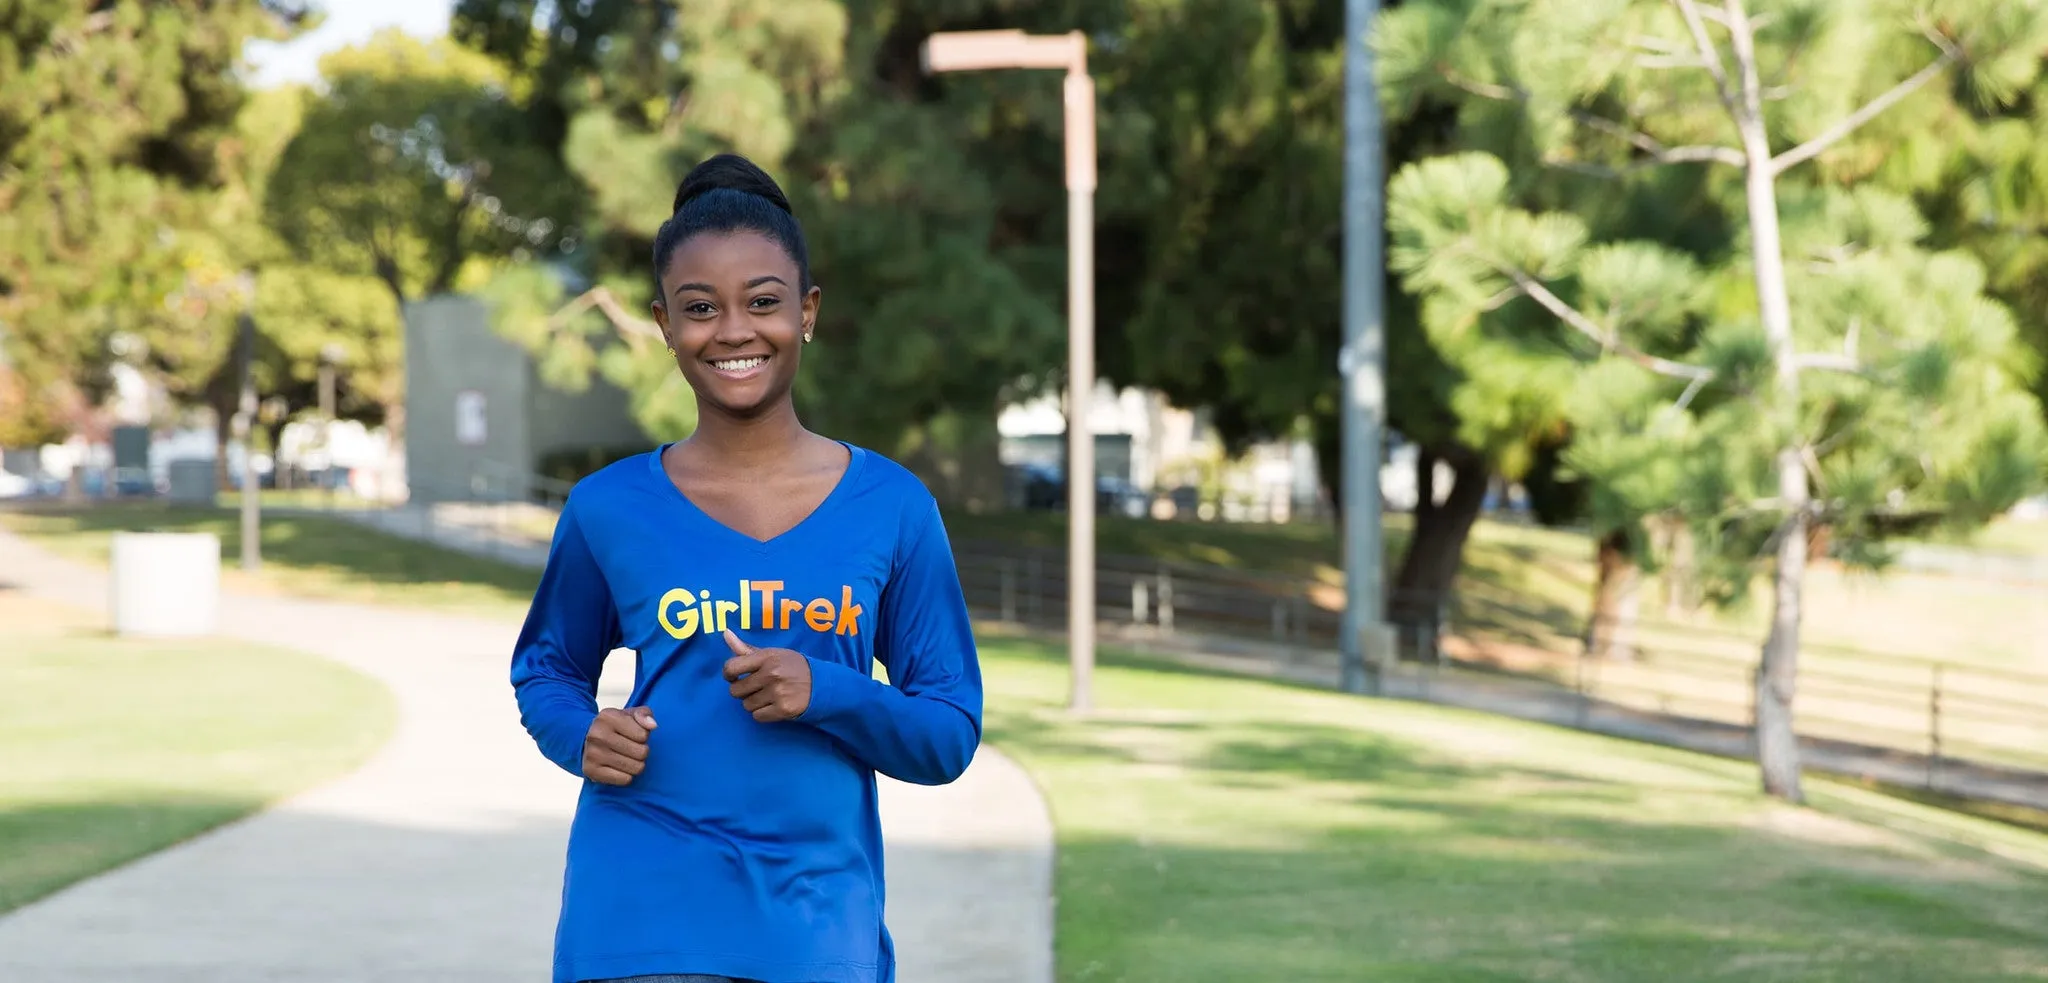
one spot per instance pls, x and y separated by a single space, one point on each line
1979 172
1730 389
409 169
1220 248
942 282
116 120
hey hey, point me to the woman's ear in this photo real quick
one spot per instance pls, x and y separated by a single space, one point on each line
660 312
812 298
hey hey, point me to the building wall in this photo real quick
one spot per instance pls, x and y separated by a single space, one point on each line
601 415
451 350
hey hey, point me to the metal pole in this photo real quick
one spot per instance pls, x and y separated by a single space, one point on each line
245 424
327 427
1363 354
1080 153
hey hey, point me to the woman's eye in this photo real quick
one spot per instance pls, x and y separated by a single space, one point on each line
698 308
763 303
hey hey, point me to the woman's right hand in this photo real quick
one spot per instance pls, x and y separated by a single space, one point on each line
615 749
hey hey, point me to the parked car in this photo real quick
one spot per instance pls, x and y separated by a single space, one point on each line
1041 487
1119 496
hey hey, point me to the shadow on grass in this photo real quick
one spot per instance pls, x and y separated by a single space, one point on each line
1206 837
1436 879
295 544
1465 903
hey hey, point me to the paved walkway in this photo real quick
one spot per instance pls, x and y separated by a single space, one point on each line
441 858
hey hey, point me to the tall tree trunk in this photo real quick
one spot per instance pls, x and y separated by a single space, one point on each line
223 438
1617 600
1436 550
1777 673
273 444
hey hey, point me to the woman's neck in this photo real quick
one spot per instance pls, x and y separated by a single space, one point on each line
748 443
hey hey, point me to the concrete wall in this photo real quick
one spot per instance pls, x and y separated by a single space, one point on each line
450 349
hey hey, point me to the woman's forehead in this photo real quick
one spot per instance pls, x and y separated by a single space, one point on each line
736 252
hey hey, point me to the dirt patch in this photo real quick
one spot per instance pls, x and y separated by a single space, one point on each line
1874 850
1822 829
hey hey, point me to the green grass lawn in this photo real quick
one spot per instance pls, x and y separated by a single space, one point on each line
1225 829
307 555
117 748
1219 829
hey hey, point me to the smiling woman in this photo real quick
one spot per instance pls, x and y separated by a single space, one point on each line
727 827
733 281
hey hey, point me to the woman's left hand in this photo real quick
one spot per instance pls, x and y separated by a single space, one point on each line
773 684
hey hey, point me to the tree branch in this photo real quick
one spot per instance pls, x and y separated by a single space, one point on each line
1844 361
1691 389
1658 62
1656 148
1551 302
1812 463
1706 154
1590 170
1658 151
1834 134
1823 361
1710 54
1709 13
1742 43
1484 90
629 327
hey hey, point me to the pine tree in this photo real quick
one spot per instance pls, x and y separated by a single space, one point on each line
1820 367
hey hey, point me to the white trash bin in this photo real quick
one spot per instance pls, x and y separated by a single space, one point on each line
166 583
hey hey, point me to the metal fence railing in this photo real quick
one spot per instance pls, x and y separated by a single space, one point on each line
1952 713
1947 715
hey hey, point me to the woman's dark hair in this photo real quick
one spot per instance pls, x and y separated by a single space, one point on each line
728 193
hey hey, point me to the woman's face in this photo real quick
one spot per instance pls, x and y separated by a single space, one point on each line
731 309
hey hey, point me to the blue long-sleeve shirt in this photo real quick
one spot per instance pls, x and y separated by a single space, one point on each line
745 849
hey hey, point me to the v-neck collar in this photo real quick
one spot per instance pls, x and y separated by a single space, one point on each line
854 458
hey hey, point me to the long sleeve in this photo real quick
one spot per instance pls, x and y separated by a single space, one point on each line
924 725
569 629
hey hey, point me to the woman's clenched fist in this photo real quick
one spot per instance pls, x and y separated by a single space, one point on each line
615 749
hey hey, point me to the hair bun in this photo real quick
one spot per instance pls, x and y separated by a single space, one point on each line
730 172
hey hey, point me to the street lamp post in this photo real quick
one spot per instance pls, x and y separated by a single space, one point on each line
245 425
966 51
1367 640
331 355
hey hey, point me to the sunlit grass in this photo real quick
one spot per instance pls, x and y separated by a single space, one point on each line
116 748
1220 829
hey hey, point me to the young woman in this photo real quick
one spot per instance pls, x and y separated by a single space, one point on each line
727 827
